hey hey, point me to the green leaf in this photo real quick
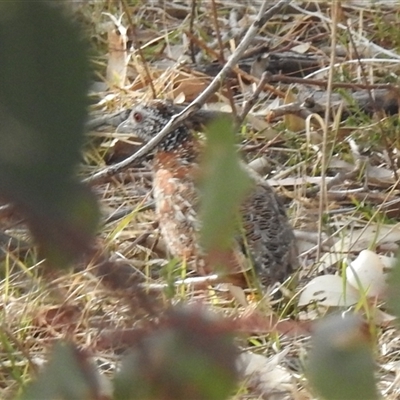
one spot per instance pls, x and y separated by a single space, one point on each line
68 376
224 185
340 363
190 356
65 229
43 99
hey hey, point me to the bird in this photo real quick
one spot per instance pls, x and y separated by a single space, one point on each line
268 234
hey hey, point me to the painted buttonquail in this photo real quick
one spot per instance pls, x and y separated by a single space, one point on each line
268 234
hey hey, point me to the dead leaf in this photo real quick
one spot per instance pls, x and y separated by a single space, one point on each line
293 122
265 375
189 87
327 291
366 273
301 48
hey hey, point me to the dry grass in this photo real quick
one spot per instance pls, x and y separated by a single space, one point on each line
38 307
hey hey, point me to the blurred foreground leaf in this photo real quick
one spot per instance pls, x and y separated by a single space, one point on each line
190 356
340 363
43 84
224 184
69 375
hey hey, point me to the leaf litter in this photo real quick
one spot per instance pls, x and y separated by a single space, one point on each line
359 214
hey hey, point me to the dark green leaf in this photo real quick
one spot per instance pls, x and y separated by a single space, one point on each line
340 364
224 185
67 376
191 356
43 98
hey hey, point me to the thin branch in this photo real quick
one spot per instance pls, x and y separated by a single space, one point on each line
221 57
323 83
348 62
262 17
191 26
297 108
195 281
250 102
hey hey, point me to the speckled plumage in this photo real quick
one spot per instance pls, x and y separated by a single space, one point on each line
267 233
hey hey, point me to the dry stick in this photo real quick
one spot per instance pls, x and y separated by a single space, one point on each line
324 83
324 196
221 57
262 17
191 25
250 103
297 108
195 281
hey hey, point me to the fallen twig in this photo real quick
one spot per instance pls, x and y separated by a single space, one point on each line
324 83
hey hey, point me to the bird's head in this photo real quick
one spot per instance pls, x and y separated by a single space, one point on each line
147 119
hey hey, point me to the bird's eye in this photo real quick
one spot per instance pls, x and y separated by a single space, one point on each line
137 116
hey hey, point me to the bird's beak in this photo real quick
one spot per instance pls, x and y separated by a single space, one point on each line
125 127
